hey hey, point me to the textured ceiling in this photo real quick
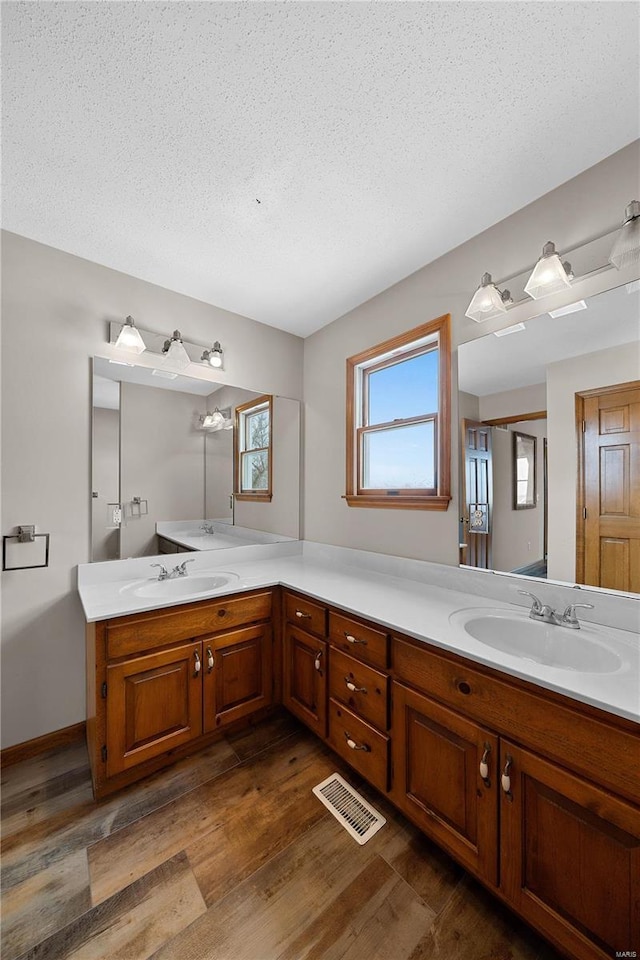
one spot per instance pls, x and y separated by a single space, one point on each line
288 161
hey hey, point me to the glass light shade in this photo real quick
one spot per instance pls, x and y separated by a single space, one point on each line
217 418
129 338
486 302
548 275
215 355
176 356
626 249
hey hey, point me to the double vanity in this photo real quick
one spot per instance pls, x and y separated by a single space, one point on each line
510 741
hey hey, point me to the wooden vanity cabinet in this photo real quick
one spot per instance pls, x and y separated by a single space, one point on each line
164 682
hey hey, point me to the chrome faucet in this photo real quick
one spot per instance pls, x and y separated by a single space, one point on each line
207 527
181 569
546 614
164 573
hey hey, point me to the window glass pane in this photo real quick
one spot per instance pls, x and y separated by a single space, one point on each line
257 430
255 470
400 457
405 389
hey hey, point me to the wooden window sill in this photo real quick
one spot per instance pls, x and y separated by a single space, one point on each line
253 496
399 503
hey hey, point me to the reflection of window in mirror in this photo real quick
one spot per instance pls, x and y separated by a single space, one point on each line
253 449
524 471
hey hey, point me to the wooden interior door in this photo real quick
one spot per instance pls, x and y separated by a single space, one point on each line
608 535
305 678
237 675
570 858
437 779
477 494
154 703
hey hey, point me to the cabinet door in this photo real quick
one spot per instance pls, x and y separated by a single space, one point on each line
437 779
305 678
570 857
154 703
237 675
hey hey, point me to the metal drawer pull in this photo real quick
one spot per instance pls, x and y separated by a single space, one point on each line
356 746
210 660
505 780
353 639
351 686
196 666
484 765
316 662
303 616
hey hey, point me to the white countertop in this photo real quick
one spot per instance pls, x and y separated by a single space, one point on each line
406 603
190 534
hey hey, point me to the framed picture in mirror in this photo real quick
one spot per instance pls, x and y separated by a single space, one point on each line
524 471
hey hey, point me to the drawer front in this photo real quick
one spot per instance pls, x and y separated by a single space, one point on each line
134 634
359 687
357 742
306 614
359 640
560 733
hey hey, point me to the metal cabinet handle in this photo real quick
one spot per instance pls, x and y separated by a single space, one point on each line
210 660
505 780
352 639
351 743
303 616
351 686
316 662
484 765
197 664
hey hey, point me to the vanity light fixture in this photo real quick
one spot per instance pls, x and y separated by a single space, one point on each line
218 420
214 356
488 302
550 274
570 308
129 338
175 355
626 249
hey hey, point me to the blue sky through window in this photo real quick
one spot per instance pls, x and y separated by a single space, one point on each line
405 389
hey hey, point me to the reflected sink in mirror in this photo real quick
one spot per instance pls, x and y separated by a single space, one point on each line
583 650
180 587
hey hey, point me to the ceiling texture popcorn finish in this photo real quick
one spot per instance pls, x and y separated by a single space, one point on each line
287 161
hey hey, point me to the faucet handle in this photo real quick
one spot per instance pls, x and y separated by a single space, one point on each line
537 604
163 571
569 615
182 567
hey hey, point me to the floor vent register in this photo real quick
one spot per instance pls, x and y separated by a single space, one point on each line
357 816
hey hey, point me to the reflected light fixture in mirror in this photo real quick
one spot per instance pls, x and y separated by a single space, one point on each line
549 275
176 357
626 249
488 302
130 339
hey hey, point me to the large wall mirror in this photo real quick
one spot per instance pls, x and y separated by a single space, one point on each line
570 385
163 478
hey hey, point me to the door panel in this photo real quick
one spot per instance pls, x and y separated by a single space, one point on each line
477 494
610 531
437 780
570 857
239 680
154 703
305 678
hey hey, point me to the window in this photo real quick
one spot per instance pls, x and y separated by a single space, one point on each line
398 428
252 450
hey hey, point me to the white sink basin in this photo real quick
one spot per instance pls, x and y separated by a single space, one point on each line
516 634
188 586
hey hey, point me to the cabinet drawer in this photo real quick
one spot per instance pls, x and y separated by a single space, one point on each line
370 697
559 732
359 640
359 744
128 635
306 614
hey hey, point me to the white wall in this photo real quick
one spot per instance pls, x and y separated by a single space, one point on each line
55 313
564 380
105 543
517 535
511 403
588 205
161 461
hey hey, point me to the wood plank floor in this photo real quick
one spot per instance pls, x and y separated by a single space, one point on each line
229 856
